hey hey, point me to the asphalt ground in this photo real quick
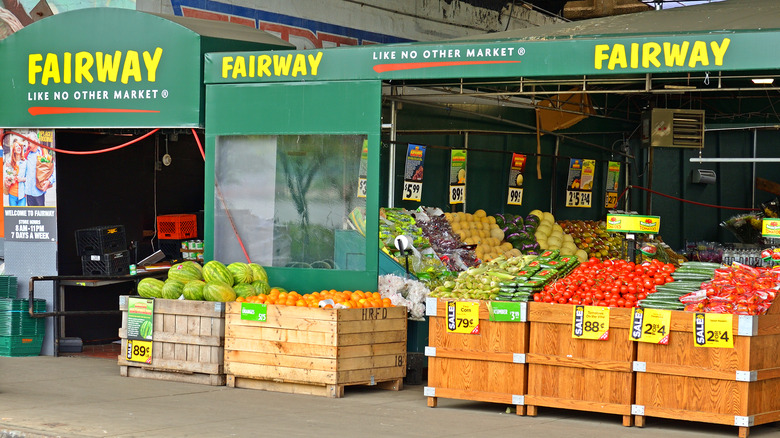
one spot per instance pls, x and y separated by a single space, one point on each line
48 396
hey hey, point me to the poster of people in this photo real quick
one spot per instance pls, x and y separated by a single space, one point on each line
29 177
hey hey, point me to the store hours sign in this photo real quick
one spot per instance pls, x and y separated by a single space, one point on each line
30 224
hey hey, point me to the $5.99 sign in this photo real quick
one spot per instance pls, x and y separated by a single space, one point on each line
713 330
463 317
650 325
412 191
139 351
590 322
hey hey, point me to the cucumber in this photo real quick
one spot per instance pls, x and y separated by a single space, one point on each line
702 264
682 284
691 276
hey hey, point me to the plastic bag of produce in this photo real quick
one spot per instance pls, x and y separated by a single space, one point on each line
745 227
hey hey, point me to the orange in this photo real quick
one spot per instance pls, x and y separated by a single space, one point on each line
327 306
347 304
377 295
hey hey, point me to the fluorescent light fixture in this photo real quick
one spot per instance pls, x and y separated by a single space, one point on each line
763 81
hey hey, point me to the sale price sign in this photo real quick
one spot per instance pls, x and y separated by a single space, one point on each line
139 351
650 325
590 322
463 317
713 330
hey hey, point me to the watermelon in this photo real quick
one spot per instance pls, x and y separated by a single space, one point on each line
145 330
194 290
280 289
258 272
241 272
184 273
261 287
218 291
216 271
172 289
194 265
245 290
150 288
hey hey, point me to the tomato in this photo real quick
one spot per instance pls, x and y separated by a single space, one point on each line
621 302
548 299
659 280
641 296
648 284
668 279
538 297
631 289
562 300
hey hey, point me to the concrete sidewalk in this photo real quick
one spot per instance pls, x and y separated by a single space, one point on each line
86 397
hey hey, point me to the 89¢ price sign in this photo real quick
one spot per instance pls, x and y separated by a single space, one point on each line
412 191
590 322
139 351
515 196
578 199
463 317
457 194
361 192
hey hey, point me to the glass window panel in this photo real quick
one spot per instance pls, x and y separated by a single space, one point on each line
289 198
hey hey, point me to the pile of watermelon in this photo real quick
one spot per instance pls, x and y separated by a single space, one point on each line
214 281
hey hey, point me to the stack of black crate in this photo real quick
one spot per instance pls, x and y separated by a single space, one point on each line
103 250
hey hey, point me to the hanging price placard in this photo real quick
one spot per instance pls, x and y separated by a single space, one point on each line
580 183
412 191
413 173
613 178
650 325
578 199
254 312
515 194
590 322
363 171
713 330
139 351
457 194
463 317
140 318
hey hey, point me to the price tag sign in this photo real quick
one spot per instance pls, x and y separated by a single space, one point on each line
463 317
412 191
254 312
578 199
515 196
361 192
457 194
139 351
650 325
506 311
713 330
611 199
590 322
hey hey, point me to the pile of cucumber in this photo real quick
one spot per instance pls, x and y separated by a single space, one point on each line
687 278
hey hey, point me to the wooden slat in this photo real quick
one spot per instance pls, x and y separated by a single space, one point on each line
281 374
183 307
234 330
477 375
676 414
197 378
181 338
579 405
281 360
482 396
563 314
474 355
281 348
689 371
594 364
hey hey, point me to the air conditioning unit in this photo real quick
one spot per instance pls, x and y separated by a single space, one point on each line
673 128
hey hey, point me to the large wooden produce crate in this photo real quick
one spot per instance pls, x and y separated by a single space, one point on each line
188 345
489 366
586 375
737 386
316 351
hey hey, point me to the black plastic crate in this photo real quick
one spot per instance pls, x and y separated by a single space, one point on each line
101 240
115 263
172 248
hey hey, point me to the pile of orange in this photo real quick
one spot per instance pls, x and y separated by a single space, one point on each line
349 299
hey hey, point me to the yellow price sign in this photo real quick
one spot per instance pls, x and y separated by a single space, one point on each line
713 330
578 199
515 196
650 325
590 322
610 201
463 317
139 351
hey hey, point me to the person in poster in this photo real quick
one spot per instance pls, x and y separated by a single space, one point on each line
40 175
14 174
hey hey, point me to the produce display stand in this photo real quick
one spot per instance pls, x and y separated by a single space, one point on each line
734 386
586 375
316 351
188 342
489 366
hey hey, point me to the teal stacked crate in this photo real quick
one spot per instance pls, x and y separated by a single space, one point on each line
7 286
21 334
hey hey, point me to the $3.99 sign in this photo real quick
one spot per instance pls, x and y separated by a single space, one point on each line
412 191
578 199
463 317
139 351
650 325
590 322
714 330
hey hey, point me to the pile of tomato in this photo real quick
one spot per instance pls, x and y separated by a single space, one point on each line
608 283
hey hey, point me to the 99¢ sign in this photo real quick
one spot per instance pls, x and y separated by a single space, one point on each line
463 317
515 196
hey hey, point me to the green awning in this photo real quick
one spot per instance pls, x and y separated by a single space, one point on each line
114 68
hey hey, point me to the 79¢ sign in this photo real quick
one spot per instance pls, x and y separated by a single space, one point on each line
463 317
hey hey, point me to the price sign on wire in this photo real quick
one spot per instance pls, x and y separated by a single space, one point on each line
361 192
650 325
590 322
463 317
578 199
611 200
412 191
515 196
139 351
713 330
457 194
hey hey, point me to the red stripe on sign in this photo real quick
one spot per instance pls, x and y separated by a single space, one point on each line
381 68
44 110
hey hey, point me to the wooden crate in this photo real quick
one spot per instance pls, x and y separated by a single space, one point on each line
488 367
585 375
188 346
316 351
737 387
